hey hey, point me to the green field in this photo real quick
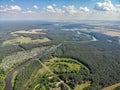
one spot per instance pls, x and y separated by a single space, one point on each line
82 86
25 40
65 65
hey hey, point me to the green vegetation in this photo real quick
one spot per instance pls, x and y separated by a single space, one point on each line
38 75
117 88
101 58
10 61
25 77
65 65
112 87
68 70
2 77
13 78
26 40
82 86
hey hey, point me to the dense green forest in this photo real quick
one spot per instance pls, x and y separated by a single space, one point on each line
102 58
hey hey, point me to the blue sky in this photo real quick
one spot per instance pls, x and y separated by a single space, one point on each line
59 9
43 3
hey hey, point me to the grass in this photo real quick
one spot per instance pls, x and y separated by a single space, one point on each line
112 87
82 86
24 40
64 65
13 78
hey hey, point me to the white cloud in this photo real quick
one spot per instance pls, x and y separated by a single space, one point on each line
35 7
118 8
52 9
84 9
14 8
59 11
105 6
70 9
71 12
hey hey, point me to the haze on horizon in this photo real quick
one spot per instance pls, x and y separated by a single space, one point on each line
60 10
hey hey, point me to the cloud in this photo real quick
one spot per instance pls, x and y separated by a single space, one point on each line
84 9
117 8
73 10
28 11
35 7
70 12
70 9
14 8
105 6
52 9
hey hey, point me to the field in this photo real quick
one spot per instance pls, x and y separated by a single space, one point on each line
24 40
113 33
65 65
33 31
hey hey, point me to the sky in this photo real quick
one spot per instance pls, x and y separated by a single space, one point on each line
60 10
